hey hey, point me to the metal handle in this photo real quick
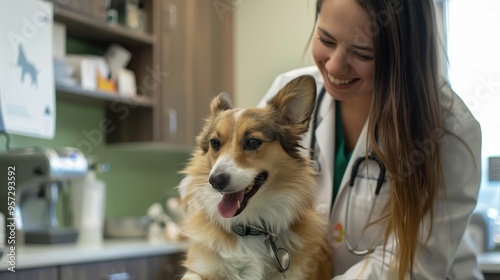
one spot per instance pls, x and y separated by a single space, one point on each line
51 195
119 276
172 16
172 122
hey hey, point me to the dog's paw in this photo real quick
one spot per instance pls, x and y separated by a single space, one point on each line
191 276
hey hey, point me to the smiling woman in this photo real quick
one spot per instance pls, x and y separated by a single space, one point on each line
346 62
377 63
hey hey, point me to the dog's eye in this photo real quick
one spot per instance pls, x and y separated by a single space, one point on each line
215 144
252 144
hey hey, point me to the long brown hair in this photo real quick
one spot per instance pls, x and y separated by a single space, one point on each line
406 118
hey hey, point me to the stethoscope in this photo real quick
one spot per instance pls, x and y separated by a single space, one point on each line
354 174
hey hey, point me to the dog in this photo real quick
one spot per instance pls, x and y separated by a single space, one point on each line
249 193
27 67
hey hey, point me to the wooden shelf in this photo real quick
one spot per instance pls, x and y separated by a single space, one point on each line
84 96
83 27
153 147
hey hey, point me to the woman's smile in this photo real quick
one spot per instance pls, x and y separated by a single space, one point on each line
341 83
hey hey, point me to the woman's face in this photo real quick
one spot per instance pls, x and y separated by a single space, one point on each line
343 49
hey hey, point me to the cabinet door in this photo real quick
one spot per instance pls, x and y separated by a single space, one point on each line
150 268
46 273
174 100
491 276
196 46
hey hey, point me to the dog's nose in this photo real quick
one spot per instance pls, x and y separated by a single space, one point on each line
219 181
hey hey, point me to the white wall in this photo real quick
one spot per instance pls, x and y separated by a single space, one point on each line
270 37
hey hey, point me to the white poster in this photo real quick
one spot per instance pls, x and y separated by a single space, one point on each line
27 92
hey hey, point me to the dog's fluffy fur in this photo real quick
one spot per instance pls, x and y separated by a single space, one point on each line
258 149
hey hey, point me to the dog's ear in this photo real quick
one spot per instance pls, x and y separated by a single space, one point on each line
295 102
221 102
218 104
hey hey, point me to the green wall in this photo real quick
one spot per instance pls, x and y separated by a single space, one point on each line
137 177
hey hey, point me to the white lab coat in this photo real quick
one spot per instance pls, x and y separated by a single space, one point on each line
449 252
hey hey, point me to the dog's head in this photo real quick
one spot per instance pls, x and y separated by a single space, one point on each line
249 162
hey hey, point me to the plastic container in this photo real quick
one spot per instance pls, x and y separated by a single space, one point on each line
88 200
127 227
3 230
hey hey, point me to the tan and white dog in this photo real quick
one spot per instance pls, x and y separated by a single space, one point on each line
249 193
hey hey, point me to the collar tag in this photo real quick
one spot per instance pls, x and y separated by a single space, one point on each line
280 256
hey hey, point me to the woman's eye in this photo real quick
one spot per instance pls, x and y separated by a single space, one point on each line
252 144
326 42
215 144
363 57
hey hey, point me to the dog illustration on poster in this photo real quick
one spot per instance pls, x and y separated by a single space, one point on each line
27 67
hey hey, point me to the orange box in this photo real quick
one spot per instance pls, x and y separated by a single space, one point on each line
104 84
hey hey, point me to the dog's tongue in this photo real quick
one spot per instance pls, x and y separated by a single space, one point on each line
229 204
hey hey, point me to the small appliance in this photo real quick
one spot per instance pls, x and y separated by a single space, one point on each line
39 174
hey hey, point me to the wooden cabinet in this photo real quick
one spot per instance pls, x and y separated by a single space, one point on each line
151 268
145 268
128 119
491 276
196 44
182 60
46 273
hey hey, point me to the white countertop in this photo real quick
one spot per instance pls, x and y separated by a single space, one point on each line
31 256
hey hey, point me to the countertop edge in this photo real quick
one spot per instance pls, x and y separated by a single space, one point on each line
37 256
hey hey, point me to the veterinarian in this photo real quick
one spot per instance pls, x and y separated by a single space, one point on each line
384 109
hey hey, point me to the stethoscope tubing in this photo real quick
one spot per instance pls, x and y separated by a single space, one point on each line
354 171
347 239
312 144
380 182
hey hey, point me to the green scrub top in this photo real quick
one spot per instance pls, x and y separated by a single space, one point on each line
341 158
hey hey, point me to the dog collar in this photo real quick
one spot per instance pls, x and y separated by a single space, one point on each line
244 230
